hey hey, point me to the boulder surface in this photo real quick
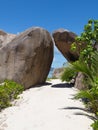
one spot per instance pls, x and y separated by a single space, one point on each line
5 38
27 58
79 81
63 41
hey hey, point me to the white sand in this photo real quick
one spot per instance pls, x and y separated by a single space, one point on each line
46 108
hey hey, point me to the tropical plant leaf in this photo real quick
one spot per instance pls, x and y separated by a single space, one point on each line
84 94
94 64
68 73
82 67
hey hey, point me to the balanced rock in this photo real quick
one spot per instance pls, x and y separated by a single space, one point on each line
63 41
27 58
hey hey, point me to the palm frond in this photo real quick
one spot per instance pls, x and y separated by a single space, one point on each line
68 73
84 94
82 67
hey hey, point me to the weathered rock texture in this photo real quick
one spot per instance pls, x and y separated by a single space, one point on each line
79 81
5 38
27 58
63 41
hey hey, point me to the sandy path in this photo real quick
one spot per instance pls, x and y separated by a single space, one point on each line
46 108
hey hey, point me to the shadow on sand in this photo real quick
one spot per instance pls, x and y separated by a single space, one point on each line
39 85
87 114
63 85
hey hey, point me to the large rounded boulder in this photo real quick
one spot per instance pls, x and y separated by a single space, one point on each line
63 41
27 58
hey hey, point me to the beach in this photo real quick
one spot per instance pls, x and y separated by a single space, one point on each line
47 107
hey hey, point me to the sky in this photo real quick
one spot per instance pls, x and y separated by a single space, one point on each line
19 15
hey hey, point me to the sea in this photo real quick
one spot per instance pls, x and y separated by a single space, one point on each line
58 61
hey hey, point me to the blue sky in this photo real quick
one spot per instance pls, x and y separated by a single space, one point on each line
18 15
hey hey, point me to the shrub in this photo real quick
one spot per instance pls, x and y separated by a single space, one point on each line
69 73
90 99
9 91
95 125
4 98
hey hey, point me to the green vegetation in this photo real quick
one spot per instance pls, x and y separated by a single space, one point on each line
87 64
9 91
95 125
68 73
